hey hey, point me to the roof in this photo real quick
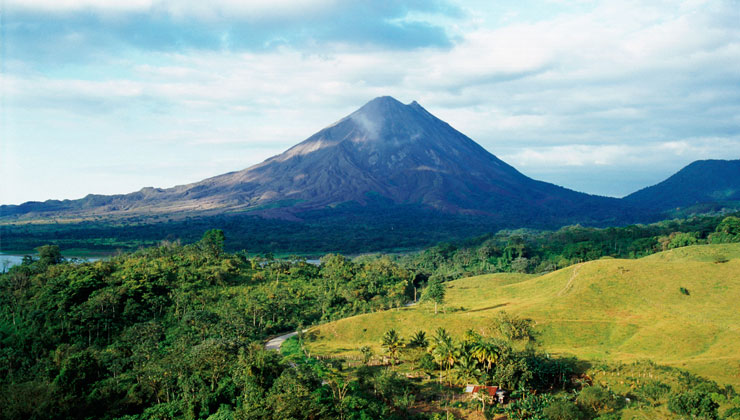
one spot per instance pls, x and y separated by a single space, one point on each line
472 389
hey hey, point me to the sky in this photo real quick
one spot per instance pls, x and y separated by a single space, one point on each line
605 97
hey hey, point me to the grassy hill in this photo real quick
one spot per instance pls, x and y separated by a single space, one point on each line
610 309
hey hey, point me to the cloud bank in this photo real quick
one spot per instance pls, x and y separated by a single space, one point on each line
571 93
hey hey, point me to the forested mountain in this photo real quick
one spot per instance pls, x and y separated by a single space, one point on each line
701 182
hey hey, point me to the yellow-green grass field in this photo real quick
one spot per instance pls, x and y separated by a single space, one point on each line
610 309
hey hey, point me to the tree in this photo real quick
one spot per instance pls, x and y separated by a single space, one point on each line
514 328
488 352
695 404
49 254
367 354
564 410
435 292
729 225
419 340
294 395
484 397
392 342
445 351
212 243
466 369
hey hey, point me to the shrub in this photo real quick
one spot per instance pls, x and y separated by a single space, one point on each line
599 399
609 416
564 410
427 363
367 354
695 404
652 392
514 328
530 406
732 413
684 290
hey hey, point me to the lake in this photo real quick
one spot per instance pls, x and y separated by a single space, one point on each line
9 260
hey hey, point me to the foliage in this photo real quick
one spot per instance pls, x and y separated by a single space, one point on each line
165 333
696 404
564 410
367 354
419 340
653 392
529 407
435 292
514 328
599 400
212 243
49 254
392 342
528 251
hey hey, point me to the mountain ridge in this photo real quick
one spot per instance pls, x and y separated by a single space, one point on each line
399 152
401 155
700 182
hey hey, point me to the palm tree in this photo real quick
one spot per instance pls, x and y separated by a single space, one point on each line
466 369
444 350
487 352
419 339
472 336
392 342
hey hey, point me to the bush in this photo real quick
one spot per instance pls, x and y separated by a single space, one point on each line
609 416
564 410
530 406
427 363
599 400
652 392
732 413
514 328
695 404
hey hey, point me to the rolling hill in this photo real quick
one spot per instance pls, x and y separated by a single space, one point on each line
610 309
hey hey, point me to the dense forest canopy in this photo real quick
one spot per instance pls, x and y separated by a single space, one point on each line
174 329
177 331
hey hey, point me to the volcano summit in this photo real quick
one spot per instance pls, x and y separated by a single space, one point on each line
384 153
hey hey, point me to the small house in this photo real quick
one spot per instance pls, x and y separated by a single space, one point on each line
499 395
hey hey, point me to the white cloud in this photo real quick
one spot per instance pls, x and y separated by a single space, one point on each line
616 85
616 155
77 5
179 8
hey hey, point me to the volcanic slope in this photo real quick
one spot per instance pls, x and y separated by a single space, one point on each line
384 152
609 309
701 182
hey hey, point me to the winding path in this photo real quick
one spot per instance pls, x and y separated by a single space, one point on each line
275 343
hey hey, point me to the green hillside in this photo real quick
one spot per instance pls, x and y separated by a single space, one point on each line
609 309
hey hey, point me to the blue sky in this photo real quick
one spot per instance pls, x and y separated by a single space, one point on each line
604 97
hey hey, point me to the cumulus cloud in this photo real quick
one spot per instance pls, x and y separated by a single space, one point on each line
593 88
67 31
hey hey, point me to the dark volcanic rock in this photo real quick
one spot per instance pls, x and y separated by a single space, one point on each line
386 149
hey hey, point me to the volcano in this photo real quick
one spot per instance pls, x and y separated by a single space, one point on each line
387 152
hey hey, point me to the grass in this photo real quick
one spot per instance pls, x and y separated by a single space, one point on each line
611 309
